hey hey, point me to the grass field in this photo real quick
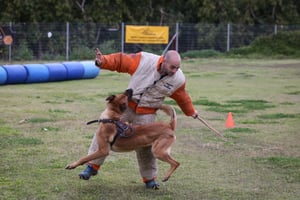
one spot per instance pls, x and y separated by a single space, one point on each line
42 128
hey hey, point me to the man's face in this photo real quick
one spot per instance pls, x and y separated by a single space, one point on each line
169 68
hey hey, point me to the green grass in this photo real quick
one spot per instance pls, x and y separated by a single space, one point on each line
279 116
43 128
238 106
288 167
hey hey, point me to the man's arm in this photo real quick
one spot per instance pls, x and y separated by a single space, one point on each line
119 62
184 101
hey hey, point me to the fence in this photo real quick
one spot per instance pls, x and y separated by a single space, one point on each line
77 41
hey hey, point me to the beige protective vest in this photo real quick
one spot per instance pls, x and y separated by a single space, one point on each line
149 88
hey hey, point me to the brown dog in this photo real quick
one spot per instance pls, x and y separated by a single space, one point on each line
115 135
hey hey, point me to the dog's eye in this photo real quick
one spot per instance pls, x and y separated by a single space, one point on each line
122 107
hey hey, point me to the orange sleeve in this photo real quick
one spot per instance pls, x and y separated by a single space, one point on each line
121 62
183 100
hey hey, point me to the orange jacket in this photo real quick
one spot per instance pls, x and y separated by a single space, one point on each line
149 90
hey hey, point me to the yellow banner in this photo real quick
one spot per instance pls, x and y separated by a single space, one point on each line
147 34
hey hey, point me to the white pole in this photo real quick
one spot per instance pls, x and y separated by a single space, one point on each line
228 37
275 29
67 41
122 37
177 30
9 47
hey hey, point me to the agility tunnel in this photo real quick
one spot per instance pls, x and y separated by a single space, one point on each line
48 72
57 72
14 74
36 73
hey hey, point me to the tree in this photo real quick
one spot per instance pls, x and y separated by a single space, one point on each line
152 11
37 11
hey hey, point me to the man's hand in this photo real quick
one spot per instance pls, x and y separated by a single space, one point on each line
195 115
98 60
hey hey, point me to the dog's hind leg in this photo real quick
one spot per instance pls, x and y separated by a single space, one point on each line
174 164
161 150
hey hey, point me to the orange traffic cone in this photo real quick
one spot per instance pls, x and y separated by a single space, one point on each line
229 121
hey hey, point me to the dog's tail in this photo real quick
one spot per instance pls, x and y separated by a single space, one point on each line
170 111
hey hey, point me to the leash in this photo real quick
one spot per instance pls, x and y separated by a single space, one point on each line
122 128
93 121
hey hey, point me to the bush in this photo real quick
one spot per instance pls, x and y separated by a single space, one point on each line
283 44
23 53
81 53
108 47
201 53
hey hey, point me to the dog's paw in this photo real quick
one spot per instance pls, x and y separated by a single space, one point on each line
70 167
165 179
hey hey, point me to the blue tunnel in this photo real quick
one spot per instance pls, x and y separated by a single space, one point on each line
48 72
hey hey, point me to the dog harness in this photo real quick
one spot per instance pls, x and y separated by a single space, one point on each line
122 128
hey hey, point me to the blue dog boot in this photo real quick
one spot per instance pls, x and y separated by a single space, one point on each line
151 184
88 172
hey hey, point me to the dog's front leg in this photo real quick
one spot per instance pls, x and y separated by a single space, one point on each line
72 165
101 152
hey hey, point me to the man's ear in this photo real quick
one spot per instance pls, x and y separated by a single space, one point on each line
110 98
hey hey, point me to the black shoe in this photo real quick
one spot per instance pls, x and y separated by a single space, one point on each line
87 173
152 185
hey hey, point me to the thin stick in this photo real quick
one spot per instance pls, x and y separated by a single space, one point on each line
210 127
167 47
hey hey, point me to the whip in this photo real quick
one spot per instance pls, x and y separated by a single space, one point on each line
210 127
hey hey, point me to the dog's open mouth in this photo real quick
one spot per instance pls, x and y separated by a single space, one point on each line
128 93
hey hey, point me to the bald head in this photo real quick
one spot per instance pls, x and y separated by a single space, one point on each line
171 63
173 58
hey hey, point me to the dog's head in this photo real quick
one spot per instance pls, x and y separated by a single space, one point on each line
119 103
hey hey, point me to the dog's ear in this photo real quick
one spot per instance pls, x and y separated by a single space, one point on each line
110 98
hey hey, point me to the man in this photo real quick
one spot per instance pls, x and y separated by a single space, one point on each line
153 78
